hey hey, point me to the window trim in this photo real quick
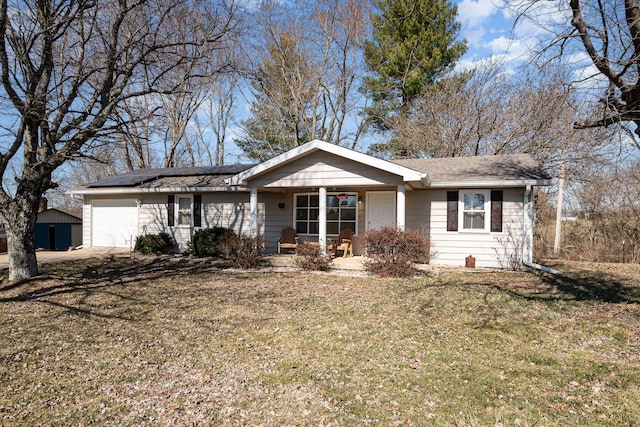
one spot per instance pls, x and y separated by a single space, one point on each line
177 210
333 193
487 211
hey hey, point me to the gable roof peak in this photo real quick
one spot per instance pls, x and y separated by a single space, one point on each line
315 145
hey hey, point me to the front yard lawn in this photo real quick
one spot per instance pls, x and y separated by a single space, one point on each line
135 342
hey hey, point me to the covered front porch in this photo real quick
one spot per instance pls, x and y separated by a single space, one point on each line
320 214
320 189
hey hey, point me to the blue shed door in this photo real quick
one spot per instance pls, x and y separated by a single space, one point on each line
63 237
42 236
54 237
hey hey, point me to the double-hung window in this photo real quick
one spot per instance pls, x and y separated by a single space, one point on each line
475 210
184 210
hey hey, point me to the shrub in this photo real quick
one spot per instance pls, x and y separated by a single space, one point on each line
161 243
204 243
241 251
308 257
392 252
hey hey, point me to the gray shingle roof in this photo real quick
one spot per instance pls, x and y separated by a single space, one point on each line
440 171
516 167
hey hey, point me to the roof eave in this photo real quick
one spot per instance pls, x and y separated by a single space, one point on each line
494 184
159 190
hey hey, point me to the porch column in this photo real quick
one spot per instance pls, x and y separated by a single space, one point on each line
253 211
322 220
400 207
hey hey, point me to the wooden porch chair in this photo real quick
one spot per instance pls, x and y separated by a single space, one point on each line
287 239
344 243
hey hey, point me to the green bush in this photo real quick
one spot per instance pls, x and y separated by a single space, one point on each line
161 243
392 252
204 243
308 257
241 251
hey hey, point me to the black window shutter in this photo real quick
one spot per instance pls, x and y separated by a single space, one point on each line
496 211
197 207
171 211
452 211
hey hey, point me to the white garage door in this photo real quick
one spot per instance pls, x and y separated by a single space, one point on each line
114 223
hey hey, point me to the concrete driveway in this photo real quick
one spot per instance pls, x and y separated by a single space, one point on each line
45 257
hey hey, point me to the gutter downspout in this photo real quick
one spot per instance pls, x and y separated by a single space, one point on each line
542 268
527 247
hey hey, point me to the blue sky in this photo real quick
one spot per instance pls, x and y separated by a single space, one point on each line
487 26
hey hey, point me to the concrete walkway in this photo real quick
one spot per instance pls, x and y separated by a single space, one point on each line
339 263
45 257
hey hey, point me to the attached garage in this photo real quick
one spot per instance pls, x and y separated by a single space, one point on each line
114 223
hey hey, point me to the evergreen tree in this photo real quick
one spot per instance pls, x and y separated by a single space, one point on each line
414 43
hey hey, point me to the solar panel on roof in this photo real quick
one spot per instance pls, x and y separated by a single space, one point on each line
141 176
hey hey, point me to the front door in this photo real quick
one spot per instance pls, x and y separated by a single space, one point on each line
381 209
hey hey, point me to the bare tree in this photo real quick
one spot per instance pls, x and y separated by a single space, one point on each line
608 32
608 226
344 27
489 112
137 131
66 66
219 109
303 87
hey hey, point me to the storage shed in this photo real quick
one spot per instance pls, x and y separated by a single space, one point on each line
57 230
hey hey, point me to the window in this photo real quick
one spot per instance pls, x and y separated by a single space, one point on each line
481 210
341 213
307 211
184 210
473 211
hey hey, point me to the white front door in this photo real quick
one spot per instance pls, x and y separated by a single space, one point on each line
381 209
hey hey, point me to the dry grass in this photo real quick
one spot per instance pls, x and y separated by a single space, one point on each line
163 343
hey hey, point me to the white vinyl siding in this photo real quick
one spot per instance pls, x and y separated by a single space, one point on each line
429 208
324 170
229 210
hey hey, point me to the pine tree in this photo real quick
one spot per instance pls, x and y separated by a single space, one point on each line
414 43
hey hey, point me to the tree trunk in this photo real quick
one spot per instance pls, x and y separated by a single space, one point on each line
21 229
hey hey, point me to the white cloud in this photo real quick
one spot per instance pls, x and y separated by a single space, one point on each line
475 37
540 18
513 48
473 12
